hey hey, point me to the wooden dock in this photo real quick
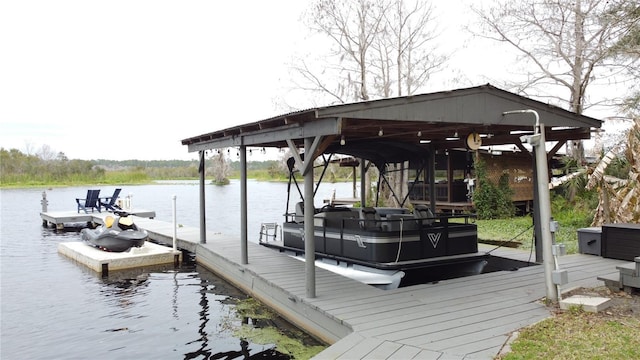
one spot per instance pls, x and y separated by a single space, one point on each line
464 318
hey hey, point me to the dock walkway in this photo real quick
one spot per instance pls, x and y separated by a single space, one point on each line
464 318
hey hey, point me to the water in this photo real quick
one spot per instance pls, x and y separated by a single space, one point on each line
53 308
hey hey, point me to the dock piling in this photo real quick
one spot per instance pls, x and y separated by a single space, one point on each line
175 225
105 269
44 202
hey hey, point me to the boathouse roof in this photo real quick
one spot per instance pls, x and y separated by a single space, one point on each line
441 119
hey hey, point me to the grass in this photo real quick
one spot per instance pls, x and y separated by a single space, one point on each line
571 334
520 228
576 334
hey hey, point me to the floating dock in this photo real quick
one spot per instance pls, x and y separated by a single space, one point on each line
62 219
103 261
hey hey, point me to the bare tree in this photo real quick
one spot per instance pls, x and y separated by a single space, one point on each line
352 27
568 43
46 153
379 49
407 44
220 167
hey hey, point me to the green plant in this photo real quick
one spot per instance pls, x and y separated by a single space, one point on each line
492 201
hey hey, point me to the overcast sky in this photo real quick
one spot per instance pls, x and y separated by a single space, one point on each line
129 79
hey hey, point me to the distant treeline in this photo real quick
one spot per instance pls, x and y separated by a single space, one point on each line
20 169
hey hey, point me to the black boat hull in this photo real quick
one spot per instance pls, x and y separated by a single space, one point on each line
387 246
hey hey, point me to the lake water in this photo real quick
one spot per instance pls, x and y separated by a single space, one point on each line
53 308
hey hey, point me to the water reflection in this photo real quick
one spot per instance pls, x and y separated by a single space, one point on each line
204 319
127 291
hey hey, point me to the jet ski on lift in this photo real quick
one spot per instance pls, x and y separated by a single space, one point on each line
116 235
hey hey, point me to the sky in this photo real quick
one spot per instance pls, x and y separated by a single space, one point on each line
129 79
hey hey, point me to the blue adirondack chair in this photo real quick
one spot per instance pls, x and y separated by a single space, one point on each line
109 202
90 202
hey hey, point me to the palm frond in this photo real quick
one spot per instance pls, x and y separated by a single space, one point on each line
598 172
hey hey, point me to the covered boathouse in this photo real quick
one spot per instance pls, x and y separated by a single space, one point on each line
458 119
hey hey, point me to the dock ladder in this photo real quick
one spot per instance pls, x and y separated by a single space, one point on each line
268 230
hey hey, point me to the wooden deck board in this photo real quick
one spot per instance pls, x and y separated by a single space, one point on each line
463 307
453 319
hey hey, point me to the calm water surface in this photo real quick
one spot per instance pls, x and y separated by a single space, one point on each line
53 308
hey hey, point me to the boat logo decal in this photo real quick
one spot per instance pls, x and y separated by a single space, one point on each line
360 242
435 238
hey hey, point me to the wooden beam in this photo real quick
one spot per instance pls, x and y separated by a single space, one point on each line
554 150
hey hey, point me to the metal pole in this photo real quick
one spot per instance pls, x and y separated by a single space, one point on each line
537 140
431 161
354 182
203 222
244 254
363 187
536 216
175 223
545 214
309 210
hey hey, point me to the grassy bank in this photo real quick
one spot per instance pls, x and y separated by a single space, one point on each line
519 229
108 178
576 334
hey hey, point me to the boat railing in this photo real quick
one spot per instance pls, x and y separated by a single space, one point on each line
391 222
350 217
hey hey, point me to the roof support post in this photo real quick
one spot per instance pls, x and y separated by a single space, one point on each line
309 211
244 254
431 165
309 150
203 222
363 187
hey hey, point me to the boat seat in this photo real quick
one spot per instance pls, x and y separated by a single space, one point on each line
369 219
335 219
126 223
299 218
423 215
396 222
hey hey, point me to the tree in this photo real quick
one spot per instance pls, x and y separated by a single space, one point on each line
379 49
220 168
629 47
568 44
619 194
376 46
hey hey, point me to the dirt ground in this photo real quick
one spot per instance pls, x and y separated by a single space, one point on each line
623 305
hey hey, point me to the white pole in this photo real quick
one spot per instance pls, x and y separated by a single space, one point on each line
175 225
543 202
545 214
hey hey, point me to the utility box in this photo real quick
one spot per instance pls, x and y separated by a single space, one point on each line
590 240
560 277
620 241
